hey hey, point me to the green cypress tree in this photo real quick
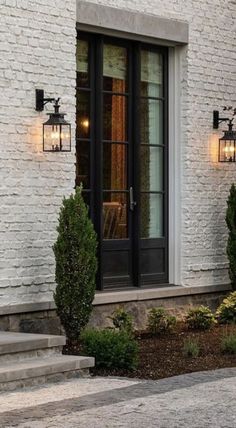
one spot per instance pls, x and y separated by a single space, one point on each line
231 244
76 265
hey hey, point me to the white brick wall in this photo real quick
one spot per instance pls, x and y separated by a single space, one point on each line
37 50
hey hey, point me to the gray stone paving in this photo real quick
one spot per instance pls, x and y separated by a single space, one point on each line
199 400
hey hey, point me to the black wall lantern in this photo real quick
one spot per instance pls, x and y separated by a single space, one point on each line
56 130
227 143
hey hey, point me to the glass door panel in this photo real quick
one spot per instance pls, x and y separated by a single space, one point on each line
115 215
153 165
83 164
84 146
115 174
151 74
82 64
116 219
83 114
115 118
151 215
115 68
151 121
151 168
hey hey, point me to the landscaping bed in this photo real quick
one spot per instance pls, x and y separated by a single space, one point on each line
162 355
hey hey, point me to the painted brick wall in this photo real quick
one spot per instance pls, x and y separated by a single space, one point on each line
208 83
37 50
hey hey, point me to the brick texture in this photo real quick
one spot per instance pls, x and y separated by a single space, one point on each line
37 48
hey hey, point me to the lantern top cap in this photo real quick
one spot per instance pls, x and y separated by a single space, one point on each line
229 135
56 118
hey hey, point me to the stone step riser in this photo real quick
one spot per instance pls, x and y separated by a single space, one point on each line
30 354
14 343
41 380
42 367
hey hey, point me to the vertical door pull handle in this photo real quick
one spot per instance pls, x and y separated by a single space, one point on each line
132 203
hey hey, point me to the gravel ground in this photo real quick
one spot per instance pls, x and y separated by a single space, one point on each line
197 400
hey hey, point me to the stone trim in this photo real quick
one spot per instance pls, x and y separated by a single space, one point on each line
93 17
104 298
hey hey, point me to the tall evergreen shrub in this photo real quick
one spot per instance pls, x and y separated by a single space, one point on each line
231 245
76 265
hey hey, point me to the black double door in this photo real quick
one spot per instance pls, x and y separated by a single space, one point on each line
121 156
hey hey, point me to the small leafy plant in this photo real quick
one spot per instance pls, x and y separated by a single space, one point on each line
200 318
122 320
191 348
111 348
226 313
159 321
228 344
76 265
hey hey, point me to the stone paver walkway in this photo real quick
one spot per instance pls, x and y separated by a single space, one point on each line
199 400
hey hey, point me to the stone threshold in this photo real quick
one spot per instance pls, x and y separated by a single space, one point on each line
108 297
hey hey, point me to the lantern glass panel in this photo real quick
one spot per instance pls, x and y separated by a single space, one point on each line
65 138
56 138
227 150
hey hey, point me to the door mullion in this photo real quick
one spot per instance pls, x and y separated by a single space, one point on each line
98 101
135 78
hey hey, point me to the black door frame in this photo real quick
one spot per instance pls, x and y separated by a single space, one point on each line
96 187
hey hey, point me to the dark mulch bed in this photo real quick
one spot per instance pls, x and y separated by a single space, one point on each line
162 356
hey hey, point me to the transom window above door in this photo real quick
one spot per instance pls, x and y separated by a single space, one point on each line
121 156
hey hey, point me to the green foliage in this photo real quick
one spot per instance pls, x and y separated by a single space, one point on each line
200 318
159 321
76 265
226 313
228 344
111 348
231 244
191 348
122 320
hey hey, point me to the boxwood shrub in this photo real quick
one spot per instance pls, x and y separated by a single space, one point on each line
111 348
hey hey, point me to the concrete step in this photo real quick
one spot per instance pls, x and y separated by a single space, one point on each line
19 346
41 370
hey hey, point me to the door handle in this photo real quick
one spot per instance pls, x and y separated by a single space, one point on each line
132 203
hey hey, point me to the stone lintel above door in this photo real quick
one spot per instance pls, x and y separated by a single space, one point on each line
132 25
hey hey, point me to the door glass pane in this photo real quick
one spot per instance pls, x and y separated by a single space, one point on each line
114 166
151 121
151 215
115 216
82 66
151 168
114 68
151 74
83 164
115 118
83 114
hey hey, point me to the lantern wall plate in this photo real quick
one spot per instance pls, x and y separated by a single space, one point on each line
56 130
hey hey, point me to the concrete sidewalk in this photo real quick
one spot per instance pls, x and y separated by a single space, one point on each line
199 400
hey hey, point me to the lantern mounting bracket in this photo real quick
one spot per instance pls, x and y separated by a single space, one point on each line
41 101
217 119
